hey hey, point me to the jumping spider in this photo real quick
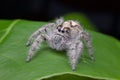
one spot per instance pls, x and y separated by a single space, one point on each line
61 35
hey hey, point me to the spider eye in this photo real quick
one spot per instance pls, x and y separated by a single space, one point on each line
59 30
67 30
62 31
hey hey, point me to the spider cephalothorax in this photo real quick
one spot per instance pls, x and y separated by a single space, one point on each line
61 35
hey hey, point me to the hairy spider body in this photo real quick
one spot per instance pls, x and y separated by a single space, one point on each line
61 35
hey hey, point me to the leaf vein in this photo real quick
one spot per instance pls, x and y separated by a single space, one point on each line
8 30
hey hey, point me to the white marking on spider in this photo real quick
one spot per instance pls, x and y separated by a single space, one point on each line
61 35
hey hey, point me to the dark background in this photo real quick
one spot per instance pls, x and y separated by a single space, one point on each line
102 13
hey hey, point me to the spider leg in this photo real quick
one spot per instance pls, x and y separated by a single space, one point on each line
38 32
32 37
59 21
87 39
74 53
35 46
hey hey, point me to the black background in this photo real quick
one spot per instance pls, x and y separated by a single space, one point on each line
102 13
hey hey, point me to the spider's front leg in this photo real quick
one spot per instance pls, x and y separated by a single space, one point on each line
87 39
35 46
38 32
74 53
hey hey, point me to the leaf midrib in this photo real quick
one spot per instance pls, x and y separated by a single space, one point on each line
8 30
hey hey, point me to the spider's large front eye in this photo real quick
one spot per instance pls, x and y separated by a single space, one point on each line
62 31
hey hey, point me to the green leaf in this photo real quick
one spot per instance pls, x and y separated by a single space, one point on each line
3 26
52 64
7 30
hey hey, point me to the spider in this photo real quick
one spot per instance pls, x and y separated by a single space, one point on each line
61 35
